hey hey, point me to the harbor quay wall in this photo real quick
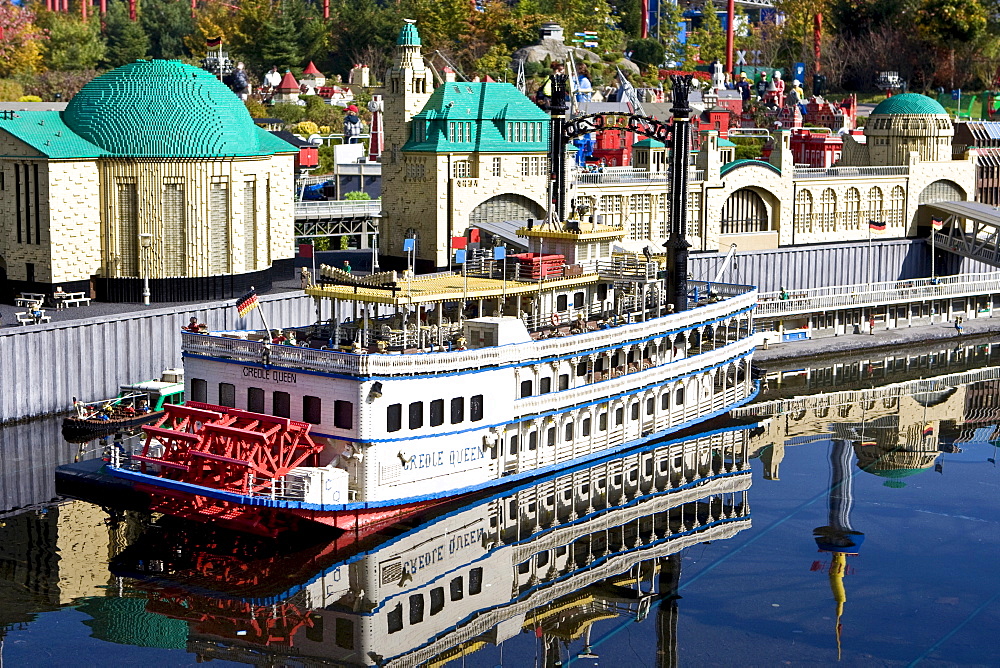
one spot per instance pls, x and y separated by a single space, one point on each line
45 366
825 265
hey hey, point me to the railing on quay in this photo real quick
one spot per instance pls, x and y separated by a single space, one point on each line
842 172
876 294
611 175
364 364
338 209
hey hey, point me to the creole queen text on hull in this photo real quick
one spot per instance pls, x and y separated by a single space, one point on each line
420 388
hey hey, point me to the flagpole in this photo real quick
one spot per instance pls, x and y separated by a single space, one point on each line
260 307
869 255
933 232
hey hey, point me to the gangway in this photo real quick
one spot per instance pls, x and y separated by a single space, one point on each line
969 229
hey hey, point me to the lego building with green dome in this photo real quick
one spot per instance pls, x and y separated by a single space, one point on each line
154 171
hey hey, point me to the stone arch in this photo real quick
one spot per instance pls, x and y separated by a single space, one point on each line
507 206
744 212
897 206
875 203
942 190
827 210
852 209
803 211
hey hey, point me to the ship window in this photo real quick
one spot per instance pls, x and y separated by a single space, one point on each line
602 291
679 397
533 440
649 466
312 407
544 385
619 416
550 436
586 426
581 369
281 404
457 410
199 390
416 415
513 445
602 422
569 432
437 412
345 633
437 600
475 581
564 381
650 405
635 411
416 608
476 408
665 400
525 388
227 395
578 300
456 589
394 417
395 618
343 415
314 631
255 400
561 302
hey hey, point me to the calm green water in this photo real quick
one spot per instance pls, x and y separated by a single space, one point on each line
872 524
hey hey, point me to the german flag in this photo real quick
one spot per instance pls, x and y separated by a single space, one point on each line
928 430
868 443
247 303
876 227
937 223
213 42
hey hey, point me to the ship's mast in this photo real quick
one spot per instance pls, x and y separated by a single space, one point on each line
680 146
557 148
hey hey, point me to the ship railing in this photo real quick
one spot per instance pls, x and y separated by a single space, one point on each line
841 172
680 367
628 270
875 294
228 345
287 488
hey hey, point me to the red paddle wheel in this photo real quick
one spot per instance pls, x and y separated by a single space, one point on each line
235 620
227 449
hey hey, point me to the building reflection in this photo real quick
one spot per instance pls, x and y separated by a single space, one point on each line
550 558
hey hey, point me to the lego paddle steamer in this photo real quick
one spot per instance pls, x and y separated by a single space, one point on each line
413 389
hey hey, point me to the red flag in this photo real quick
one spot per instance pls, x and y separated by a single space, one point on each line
305 250
458 242
937 223
474 235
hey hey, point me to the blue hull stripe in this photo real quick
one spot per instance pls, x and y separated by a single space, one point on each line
262 502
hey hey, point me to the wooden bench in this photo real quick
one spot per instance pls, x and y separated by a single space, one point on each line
28 302
25 318
67 299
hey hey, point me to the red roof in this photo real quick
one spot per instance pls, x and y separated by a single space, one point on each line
288 82
311 69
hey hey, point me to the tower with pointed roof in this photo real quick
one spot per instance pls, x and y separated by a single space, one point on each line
464 154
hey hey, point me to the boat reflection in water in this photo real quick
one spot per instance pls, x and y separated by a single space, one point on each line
550 558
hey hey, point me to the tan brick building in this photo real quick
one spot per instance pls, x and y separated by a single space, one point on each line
154 171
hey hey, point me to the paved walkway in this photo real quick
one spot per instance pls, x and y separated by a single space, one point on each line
988 328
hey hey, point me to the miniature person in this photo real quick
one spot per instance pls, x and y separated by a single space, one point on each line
203 329
192 325
959 326
762 86
743 86
871 324
584 89
779 88
783 294
352 125
241 82
347 267
544 95
273 77
799 95
305 278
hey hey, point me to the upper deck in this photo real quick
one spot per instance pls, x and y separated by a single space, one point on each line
729 301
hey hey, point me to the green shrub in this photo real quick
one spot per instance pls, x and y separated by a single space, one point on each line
10 90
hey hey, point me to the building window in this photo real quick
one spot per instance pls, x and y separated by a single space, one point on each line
394 417
250 225
343 414
803 211
218 226
255 400
462 169
852 209
562 302
199 390
476 408
416 415
281 404
227 395
437 413
496 169
174 229
312 410
128 229
457 410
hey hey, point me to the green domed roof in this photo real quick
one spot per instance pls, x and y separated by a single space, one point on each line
909 103
163 109
408 35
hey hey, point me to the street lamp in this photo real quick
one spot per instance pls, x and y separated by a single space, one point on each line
145 242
